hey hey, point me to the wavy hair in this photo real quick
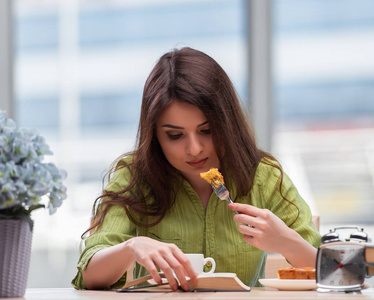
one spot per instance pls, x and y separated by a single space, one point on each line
190 76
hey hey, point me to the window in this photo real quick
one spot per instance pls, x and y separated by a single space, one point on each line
80 67
324 106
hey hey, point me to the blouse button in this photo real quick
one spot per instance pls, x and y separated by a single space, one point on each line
209 264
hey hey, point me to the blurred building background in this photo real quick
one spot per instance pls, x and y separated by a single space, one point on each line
80 67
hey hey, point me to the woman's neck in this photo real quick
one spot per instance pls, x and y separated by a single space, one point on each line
201 187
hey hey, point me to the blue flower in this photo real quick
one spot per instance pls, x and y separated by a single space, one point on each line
26 182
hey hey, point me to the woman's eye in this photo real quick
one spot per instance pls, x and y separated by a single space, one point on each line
174 136
206 131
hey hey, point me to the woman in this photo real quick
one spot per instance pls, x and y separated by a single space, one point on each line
156 207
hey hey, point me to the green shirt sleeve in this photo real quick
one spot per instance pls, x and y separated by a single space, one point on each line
116 228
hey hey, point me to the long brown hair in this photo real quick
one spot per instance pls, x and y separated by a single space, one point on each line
190 76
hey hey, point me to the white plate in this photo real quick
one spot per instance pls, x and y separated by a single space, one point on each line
289 284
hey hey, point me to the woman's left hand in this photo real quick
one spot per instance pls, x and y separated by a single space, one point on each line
265 230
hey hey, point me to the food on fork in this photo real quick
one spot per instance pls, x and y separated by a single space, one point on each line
213 176
215 179
297 273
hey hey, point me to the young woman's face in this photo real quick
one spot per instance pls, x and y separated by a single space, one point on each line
185 138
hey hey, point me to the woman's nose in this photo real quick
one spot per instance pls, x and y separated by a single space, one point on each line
194 146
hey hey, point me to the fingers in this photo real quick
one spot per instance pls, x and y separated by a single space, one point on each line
245 219
151 267
185 265
246 209
170 260
168 272
176 265
248 230
251 215
251 219
264 231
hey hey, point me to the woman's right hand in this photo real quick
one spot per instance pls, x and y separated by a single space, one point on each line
151 254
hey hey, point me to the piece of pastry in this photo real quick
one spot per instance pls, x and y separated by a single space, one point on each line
286 273
296 273
310 272
213 176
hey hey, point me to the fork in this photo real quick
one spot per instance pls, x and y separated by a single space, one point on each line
222 192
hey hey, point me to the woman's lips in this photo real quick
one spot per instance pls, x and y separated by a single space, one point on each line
197 163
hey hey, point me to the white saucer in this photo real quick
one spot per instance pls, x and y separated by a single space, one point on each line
289 284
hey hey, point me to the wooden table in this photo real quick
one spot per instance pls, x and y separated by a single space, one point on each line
254 294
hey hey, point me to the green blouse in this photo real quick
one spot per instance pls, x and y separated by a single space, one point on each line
210 231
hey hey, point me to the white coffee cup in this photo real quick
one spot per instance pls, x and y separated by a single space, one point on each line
198 262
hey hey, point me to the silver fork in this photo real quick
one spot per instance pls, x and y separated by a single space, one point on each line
222 192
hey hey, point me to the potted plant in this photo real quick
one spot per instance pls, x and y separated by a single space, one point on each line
26 183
